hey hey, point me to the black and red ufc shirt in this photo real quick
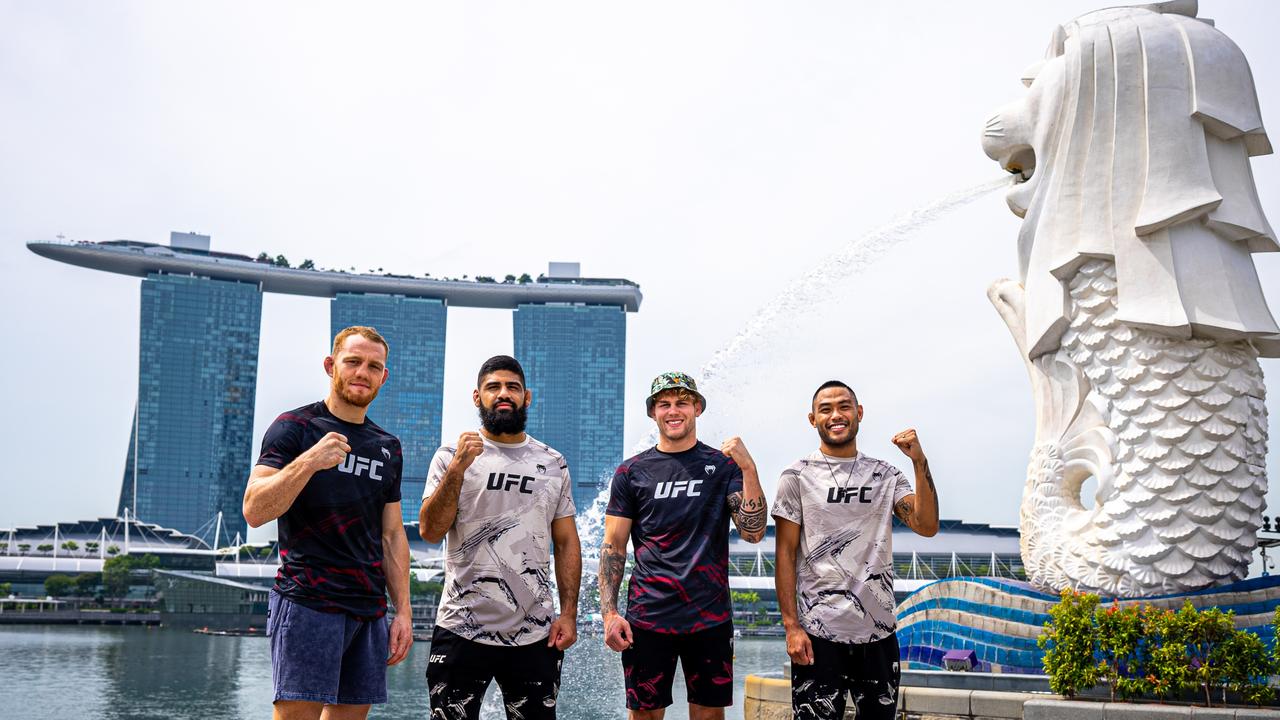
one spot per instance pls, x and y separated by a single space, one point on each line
679 512
331 537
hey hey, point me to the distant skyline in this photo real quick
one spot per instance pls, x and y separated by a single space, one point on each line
712 153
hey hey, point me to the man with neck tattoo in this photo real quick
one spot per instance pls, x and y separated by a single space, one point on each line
674 502
500 499
834 511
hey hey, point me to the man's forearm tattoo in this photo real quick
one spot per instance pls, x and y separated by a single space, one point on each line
750 514
612 564
928 476
906 508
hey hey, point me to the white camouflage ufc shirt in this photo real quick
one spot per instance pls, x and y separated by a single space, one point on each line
497 574
844 565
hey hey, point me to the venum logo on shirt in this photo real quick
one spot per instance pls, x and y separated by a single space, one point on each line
676 488
356 465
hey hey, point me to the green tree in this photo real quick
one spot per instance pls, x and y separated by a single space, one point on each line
91 547
86 583
24 548
750 598
1120 650
524 279
1068 639
1169 669
113 550
45 547
58 585
418 588
281 261
307 265
1246 666
509 279
70 546
116 572
483 279
6 589
115 576
263 257
1207 630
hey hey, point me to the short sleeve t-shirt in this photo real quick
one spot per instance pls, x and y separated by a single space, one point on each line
844 565
679 512
331 536
497 563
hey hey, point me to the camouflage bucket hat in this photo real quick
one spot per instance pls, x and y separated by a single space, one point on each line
672 381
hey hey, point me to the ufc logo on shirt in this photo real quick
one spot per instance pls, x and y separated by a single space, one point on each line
355 465
846 495
676 488
503 481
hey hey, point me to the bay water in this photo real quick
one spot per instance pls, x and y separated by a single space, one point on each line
137 673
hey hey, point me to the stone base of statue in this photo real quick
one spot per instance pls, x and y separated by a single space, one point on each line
999 620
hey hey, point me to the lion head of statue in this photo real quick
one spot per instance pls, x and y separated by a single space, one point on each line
1133 142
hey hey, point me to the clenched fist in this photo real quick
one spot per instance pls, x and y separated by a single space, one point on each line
470 445
736 451
328 453
909 444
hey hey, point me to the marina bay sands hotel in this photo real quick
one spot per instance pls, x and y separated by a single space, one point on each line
192 443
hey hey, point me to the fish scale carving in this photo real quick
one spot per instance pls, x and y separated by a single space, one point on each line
1184 504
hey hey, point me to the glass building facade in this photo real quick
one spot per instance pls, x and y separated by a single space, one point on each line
191 448
409 405
574 359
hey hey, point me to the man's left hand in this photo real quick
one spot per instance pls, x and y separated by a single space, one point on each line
564 633
401 637
909 444
737 451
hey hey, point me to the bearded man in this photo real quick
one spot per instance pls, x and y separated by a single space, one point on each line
500 499
332 479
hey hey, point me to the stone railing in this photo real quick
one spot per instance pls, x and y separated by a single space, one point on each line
768 697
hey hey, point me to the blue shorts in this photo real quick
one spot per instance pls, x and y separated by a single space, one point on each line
330 658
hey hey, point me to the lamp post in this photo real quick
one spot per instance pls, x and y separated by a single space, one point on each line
1268 537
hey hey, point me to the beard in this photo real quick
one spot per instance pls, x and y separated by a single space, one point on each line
504 422
832 442
340 387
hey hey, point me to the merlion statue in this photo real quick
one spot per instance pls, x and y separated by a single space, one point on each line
1139 312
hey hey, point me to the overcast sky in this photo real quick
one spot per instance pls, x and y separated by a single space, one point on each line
712 152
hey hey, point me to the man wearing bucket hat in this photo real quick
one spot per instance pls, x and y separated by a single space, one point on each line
673 502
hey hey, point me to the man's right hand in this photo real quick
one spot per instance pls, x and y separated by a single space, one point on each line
799 647
328 453
617 632
470 445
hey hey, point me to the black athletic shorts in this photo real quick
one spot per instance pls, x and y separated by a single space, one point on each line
649 667
459 671
868 671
